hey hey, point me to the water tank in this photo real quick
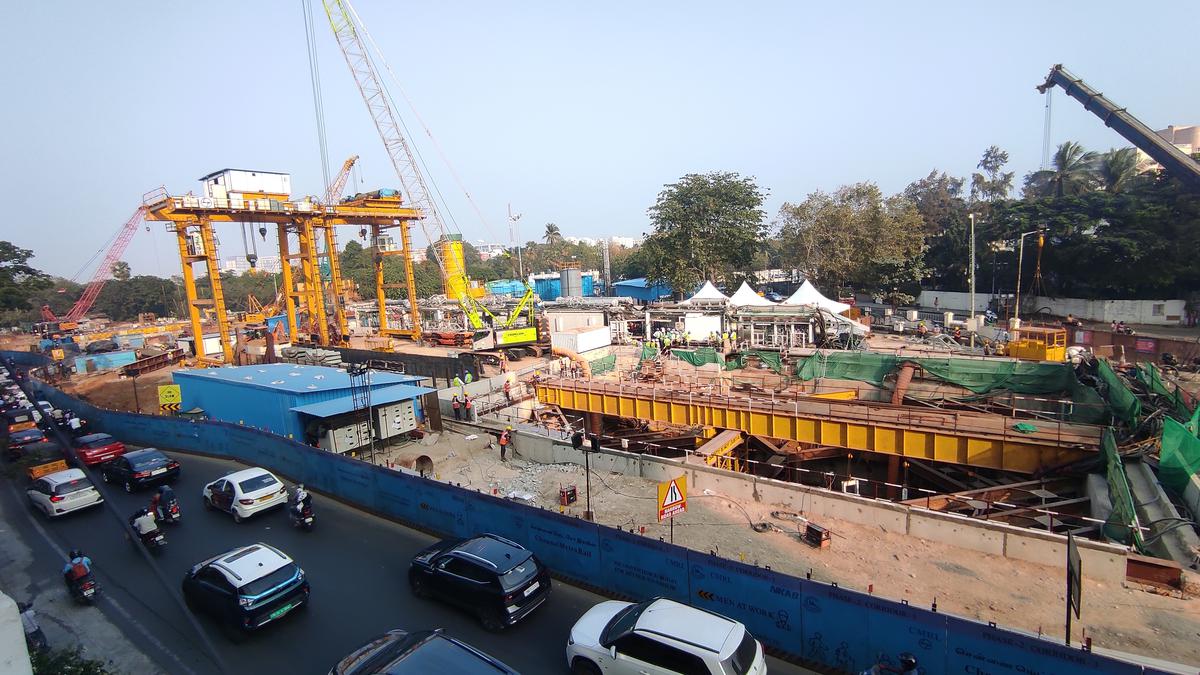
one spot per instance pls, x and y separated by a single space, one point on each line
571 282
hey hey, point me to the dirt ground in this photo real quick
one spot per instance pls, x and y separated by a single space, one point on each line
968 583
110 390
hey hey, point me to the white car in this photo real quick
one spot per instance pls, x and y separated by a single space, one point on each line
63 492
661 637
245 493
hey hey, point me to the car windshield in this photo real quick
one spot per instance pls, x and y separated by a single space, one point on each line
27 435
72 486
435 655
98 442
278 577
623 622
148 461
256 483
520 574
740 661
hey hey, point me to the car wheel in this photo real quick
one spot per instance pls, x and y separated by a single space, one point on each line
420 588
491 621
237 517
208 505
129 486
582 666
191 604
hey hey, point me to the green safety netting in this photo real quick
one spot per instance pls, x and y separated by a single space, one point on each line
699 356
1089 407
603 364
772 360
1149 375
1193 424
979 376
1179 458
1121 525
649 351
1125 406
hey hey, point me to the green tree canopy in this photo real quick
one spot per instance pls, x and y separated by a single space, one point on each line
19 280
855 237
706 227
1073 174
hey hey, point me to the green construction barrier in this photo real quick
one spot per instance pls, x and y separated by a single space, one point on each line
649 352
772 360
1125 406
1150 375
603 364
1179 458
861 366
1122 524
978 375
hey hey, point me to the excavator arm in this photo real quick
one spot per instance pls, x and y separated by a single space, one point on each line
1174 160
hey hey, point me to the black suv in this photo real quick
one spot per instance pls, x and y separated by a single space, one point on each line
496 578
140 468
246 588
399 652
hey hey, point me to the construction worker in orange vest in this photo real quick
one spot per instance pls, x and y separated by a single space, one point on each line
505 439
508 391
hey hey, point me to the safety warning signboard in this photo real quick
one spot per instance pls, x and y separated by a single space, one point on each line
672 497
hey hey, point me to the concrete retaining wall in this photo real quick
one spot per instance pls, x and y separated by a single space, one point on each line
14 657
1104 563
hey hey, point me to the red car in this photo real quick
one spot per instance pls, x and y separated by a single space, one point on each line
98 448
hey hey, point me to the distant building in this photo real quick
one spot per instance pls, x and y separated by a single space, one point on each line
266 263
1186 138
626 242
640 290
489 251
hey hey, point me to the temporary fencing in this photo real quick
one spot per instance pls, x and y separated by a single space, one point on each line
797 617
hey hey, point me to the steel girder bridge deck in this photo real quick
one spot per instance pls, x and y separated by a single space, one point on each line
954 436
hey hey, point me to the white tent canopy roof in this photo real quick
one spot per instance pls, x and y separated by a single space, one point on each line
707 294
746 297
808 294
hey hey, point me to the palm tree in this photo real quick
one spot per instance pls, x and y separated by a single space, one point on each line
1117 169
1073 173
553 234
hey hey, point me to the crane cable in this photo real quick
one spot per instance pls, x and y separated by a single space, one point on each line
437 146
314 76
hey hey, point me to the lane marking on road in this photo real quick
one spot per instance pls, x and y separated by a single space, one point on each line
106 598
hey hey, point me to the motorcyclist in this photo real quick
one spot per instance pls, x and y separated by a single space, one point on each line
143 523
161 501
300 498
78 567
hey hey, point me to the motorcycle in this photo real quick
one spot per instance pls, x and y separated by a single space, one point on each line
302 516
169 512
84 589
154 540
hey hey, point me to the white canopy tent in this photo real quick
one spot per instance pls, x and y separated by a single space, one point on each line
808 294
746 297
708 294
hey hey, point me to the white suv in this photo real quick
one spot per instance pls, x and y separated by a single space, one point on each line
661 637
245 493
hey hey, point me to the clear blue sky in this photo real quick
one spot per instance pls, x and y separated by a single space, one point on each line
576 113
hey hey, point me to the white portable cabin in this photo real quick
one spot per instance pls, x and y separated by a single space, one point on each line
246 184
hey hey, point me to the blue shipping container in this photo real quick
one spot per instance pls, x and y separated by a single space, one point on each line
107 361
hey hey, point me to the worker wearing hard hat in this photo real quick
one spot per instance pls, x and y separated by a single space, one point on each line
505 441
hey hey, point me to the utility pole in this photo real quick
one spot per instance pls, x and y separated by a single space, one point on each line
514 233
972 286
1020 259
607 268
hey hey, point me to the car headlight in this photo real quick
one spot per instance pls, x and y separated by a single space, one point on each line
244 601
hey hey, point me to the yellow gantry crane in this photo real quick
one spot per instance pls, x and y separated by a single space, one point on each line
192 221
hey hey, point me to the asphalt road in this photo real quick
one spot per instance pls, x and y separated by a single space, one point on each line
356 563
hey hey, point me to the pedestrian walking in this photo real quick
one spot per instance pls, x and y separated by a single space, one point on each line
505 440
457 405
508 392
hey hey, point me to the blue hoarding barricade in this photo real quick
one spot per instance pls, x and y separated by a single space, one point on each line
981 648
637 567
766 601
569 546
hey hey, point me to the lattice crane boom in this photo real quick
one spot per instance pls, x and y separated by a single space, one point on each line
104 272
339 182
379 106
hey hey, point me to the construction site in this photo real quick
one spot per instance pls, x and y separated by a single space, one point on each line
914 453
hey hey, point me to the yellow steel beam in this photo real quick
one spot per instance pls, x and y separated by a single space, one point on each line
957 437
384 212
718 451
285 265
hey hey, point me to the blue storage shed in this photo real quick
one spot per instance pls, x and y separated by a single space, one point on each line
550 289
91 363
277 397
640 290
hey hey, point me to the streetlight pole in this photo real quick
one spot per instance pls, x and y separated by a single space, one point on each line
515 233
136 403
1020 259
